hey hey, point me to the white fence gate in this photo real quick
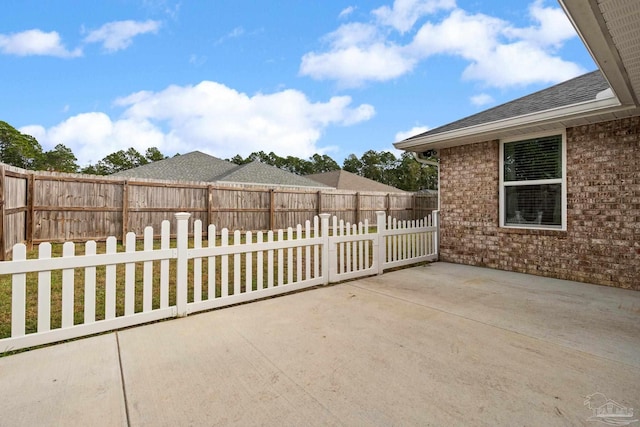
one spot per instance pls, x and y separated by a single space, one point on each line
247 268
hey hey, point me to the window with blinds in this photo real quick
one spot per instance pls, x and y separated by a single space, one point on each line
532 183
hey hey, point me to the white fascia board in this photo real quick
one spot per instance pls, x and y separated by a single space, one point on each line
586 18
584 109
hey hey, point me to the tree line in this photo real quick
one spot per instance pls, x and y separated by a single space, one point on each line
402 172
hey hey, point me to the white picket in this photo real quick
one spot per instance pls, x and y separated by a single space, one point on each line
289 257
165 242
307 251
224 264
68 251
367 262
348 245
270 261
316 248
182 263
248 264
147 272
110 282
197 262
89 286
18 294
259 263
355 266
298 236
341 254
237 266
130 277
211 266
280 265
44 290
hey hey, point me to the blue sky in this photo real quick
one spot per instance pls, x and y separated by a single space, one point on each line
292 77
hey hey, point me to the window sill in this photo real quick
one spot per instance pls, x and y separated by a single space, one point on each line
534 231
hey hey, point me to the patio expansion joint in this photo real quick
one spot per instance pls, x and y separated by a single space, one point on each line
566 347
124 387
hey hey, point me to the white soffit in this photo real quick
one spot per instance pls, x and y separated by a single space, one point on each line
622 18
610 29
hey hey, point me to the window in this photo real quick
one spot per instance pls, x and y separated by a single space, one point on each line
533 182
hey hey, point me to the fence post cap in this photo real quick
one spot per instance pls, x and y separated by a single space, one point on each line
182 215
324 215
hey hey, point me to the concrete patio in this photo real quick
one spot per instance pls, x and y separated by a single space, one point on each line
440 344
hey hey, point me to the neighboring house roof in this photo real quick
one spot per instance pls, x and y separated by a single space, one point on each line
609 30
343 180
197 166
194 166
261 173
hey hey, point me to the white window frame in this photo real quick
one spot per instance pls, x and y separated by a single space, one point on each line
562 181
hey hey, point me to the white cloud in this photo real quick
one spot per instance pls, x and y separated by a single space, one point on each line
481 99
209 117
416 130
346 11
499 54
518 64
197 60
460 34
36 42
354 66
358 54
405 13
118 35
235 33
92 136
354 34
493 60
552 26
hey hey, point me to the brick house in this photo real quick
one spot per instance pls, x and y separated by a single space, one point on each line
549 184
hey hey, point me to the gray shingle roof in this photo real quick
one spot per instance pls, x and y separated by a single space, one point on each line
194 166
343 180
579 89
260 173
197 166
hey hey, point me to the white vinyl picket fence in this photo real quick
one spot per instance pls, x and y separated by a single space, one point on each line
223 272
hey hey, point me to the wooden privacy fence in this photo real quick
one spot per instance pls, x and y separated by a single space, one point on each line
97 292
40 207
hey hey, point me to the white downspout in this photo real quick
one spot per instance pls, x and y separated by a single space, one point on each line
420 158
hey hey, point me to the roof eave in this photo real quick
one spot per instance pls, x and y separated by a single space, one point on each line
502 128
592 29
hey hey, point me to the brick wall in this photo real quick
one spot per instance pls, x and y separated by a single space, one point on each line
602 241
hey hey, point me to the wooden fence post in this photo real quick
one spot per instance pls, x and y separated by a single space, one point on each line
125 209
210 209
319 203
3 248
414 214
272 209
358 214
182 262
29 214
388 204
381 227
